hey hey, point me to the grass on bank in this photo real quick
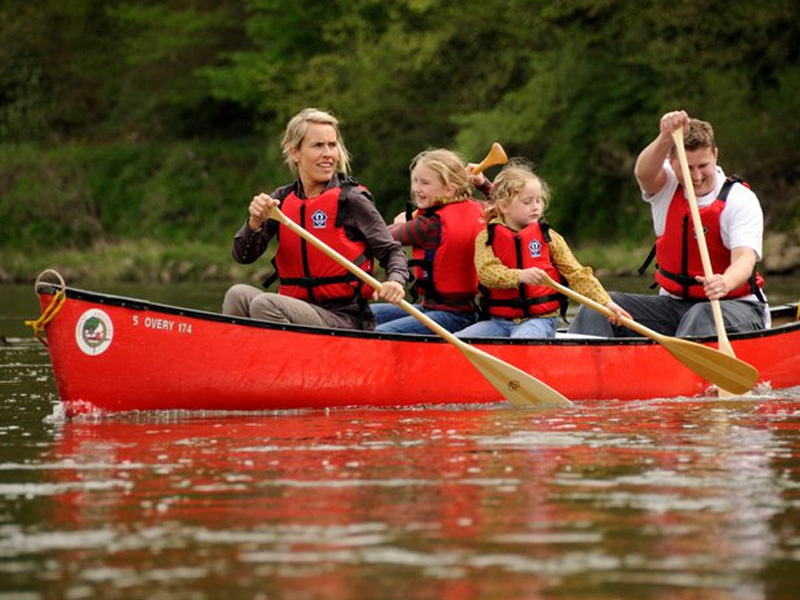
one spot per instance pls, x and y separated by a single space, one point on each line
150 261
133 261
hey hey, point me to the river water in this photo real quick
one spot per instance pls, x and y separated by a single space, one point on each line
678 499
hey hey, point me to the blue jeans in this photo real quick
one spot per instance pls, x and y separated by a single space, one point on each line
497 327
393 319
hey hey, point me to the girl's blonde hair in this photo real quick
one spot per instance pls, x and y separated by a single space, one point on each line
449 166
296 130
509 183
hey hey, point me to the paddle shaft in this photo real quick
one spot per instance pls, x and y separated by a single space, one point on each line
518 387
708 272
360 273
629 323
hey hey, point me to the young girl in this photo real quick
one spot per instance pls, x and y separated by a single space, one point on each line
513 253
442 236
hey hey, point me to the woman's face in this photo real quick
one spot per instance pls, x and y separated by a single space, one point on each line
427 186
317 156
525 208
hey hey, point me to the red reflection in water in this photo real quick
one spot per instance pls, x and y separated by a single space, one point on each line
264 463
343 504
318 492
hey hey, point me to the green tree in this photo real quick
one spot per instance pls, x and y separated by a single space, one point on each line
576 86
56 65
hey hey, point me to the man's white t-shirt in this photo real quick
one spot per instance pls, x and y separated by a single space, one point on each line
741 222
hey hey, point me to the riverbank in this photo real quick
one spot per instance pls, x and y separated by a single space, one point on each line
139 261
150 261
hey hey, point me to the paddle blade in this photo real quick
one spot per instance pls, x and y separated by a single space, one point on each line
723 370
517 386
496 156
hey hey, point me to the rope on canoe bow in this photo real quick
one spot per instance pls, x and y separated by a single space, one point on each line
49 313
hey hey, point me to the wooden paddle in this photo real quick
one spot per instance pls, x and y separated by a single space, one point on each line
516 386
722 336
723 370
496 156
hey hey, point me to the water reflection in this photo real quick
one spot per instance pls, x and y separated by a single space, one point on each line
660 499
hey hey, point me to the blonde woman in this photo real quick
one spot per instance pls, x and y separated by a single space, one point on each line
314 290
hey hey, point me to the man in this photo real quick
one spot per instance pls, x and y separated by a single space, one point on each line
733 223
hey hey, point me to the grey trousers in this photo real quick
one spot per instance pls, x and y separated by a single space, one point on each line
242 300
670 316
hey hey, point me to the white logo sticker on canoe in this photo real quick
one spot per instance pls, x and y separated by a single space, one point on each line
94 332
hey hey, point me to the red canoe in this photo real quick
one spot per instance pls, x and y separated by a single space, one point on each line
111 353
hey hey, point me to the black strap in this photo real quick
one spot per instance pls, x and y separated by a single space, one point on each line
684 281
726 187
311 282
755 289
418 285
523 303
490 233
545 227
409 211
647 260
272 277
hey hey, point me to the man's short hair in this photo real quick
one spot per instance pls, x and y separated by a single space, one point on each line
699 135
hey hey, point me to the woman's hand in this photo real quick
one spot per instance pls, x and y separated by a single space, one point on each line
259 210
391 291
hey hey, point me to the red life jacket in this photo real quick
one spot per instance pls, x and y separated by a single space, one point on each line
447 275
521 250
678 254
305 272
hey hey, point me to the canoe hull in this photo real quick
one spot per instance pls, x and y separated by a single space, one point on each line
119 354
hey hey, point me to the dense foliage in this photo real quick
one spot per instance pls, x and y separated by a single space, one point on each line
160 118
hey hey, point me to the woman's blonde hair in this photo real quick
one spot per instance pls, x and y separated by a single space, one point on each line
449 166
296 130
509 183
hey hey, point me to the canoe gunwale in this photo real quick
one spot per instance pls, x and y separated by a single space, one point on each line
786 310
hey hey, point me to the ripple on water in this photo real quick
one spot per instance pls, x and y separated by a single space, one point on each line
692 494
